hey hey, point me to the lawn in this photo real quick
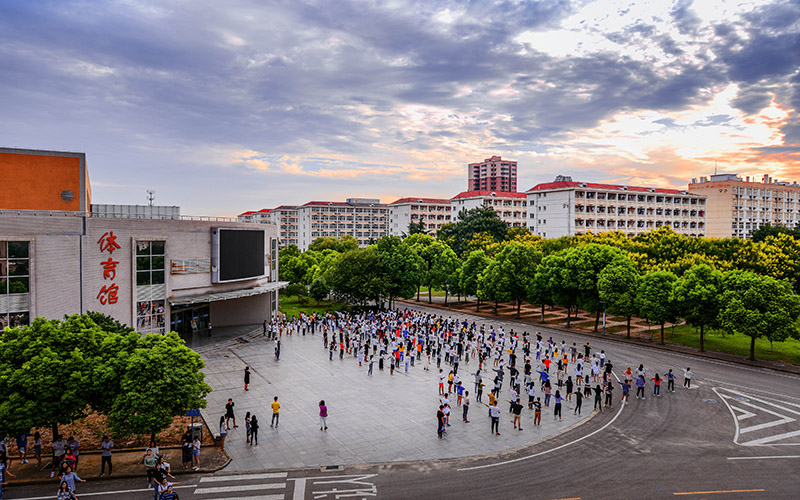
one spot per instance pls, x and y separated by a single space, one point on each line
291 307
423 292
788 352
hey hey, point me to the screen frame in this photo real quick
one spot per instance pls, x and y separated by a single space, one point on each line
215 255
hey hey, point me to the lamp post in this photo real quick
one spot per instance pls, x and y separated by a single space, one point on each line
604 317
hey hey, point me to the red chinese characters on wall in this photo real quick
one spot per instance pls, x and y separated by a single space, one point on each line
108 293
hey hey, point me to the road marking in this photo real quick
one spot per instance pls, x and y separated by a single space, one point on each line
245 477
713 492
496 464
575 498
365 489
50 497
240 487
760 405
763 458
260 497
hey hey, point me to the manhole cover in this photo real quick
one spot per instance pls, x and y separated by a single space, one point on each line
710 400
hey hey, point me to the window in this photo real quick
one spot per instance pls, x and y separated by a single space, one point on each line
150 263
14 280
150 271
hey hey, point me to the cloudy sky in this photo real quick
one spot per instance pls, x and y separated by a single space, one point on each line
226 106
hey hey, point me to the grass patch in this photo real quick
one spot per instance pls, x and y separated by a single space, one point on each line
292 307
423 292
788 351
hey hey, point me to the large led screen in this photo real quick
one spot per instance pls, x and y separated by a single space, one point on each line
239 254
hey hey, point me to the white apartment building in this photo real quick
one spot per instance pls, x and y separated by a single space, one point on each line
366 221
284 217
511 207
737 206
566 208
432 212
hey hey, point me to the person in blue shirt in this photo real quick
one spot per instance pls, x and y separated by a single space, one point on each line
626 389
70 477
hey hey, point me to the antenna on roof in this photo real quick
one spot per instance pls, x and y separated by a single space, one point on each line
715 167
151 196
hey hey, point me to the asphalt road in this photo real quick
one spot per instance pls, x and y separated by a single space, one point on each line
685 444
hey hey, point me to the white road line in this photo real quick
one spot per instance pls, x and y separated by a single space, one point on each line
725 382
496 464
260 497
745 414
776 437
245 477
769 440
240 487
50 497
764 458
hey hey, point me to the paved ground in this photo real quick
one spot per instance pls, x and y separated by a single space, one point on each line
382 418
735 436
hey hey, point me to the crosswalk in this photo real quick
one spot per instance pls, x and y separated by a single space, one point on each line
761 420
264 486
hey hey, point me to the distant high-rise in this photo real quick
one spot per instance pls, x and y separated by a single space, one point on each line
492 174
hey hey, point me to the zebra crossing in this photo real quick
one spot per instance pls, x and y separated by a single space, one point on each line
263 486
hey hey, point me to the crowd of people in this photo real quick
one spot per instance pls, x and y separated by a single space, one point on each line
526 364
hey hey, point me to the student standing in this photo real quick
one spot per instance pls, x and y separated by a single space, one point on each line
494 415
229 413
247 426
640 386
598 398
223 432
687 378
670 380
440 422
557 408
656 386
578 402
516 409
105 458
247 372
253 430
276 408
323 416
537 412
466 406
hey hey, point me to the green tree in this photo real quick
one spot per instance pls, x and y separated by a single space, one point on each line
696 296
444 269
539 290
401 266
163 378
654 298
357 277
582 268
416 228
765 230
108 323
482 219
514 268
419 242
319 289
618 284
472 268
758 306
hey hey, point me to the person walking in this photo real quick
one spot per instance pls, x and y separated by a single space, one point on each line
276 408
253 430
229 413
149 460
687 378
223 432
105 457
247 373
323 416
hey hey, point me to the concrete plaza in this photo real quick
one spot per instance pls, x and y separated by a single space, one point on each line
382 418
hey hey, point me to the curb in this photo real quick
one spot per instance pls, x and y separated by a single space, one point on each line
725 357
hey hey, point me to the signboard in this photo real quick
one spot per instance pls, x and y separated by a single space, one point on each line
108 293
192 413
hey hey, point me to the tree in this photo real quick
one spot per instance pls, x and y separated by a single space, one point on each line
582 268
416 228
163 378
514 268
482 219
758 306
765 230
357 277
472 268
654 298
539 290
617 285
696 296
401 266
108 323
319 289
418 243
444 269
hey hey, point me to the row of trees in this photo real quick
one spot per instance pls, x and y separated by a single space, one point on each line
54 372
740 286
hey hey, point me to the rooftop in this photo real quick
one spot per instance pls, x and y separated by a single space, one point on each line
441 201
611 187
484 193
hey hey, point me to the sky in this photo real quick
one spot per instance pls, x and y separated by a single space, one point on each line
222 107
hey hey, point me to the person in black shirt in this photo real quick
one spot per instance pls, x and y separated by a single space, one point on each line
516 409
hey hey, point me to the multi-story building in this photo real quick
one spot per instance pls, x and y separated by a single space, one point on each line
149 268
431 212
566 208
492 174
737 206
284 217
366 221
511 207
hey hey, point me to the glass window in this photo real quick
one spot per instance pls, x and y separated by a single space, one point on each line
150 316
18 249
14 278
150 262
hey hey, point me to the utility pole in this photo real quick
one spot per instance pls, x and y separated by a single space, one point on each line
151 196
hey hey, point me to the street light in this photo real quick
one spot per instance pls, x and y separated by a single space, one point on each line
603 302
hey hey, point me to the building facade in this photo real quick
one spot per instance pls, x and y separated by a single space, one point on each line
431 212
567 208
492 174
737 206
510 207
366 222
154 271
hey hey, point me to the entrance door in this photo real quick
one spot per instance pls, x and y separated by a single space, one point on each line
190 320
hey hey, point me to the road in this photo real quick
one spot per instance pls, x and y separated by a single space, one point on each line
734 435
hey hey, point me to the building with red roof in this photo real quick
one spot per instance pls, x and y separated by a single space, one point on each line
510 206
492 174
565 208
433 213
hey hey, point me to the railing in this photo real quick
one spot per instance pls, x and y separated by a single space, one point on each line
120 215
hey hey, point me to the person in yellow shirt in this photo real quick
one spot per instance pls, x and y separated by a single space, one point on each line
276 408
